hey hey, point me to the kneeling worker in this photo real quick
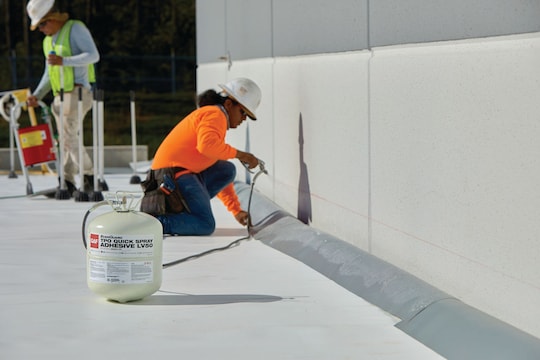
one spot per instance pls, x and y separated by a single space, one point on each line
197 151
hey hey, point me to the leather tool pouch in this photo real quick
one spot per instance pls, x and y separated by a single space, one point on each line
161 193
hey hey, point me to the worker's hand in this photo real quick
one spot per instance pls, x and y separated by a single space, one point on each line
53 59
32 101
249 159
242 217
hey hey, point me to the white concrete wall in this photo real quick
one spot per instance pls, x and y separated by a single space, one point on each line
456 170
427 156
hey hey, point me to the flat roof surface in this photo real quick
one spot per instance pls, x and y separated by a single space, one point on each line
247 302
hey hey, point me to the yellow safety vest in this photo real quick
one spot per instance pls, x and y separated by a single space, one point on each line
62 48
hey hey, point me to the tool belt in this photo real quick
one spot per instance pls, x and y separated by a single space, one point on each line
161 193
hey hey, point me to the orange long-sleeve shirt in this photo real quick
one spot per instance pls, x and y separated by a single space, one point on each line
196 143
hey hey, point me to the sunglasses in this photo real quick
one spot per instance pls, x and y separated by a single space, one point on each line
242 111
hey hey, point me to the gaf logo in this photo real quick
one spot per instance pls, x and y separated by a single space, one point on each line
94 241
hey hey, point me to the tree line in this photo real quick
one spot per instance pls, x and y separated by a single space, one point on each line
136 39
146 46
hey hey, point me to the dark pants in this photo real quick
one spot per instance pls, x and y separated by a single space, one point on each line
197 190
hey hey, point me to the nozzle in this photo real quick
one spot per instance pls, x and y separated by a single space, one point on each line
261 167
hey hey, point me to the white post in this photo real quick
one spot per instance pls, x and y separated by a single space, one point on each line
101 140
95 139
135 179
62 193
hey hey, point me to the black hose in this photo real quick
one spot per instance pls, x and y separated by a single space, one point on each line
196 256
101 203
232 244
204 253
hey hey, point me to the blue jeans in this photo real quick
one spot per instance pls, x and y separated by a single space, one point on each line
197 190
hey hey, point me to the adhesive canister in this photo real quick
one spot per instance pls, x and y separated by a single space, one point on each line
124 255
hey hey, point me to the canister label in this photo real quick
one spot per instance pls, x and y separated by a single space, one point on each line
122 246
121 272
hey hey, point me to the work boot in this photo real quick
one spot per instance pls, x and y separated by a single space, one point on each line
88 184
69 186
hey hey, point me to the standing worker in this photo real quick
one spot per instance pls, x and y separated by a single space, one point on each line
69 48
197 151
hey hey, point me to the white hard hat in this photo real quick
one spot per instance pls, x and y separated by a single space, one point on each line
37 9
246 92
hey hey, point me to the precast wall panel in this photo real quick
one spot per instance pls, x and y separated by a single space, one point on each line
417 21
211 31
304 27
423 153
231 30
249 29
456 167
320 127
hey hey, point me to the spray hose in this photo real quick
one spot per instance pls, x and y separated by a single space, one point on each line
262 170
101 203
121 204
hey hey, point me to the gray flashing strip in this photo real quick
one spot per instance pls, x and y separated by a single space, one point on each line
433 317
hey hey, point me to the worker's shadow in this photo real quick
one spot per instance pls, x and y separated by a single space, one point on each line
305 213
218 299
